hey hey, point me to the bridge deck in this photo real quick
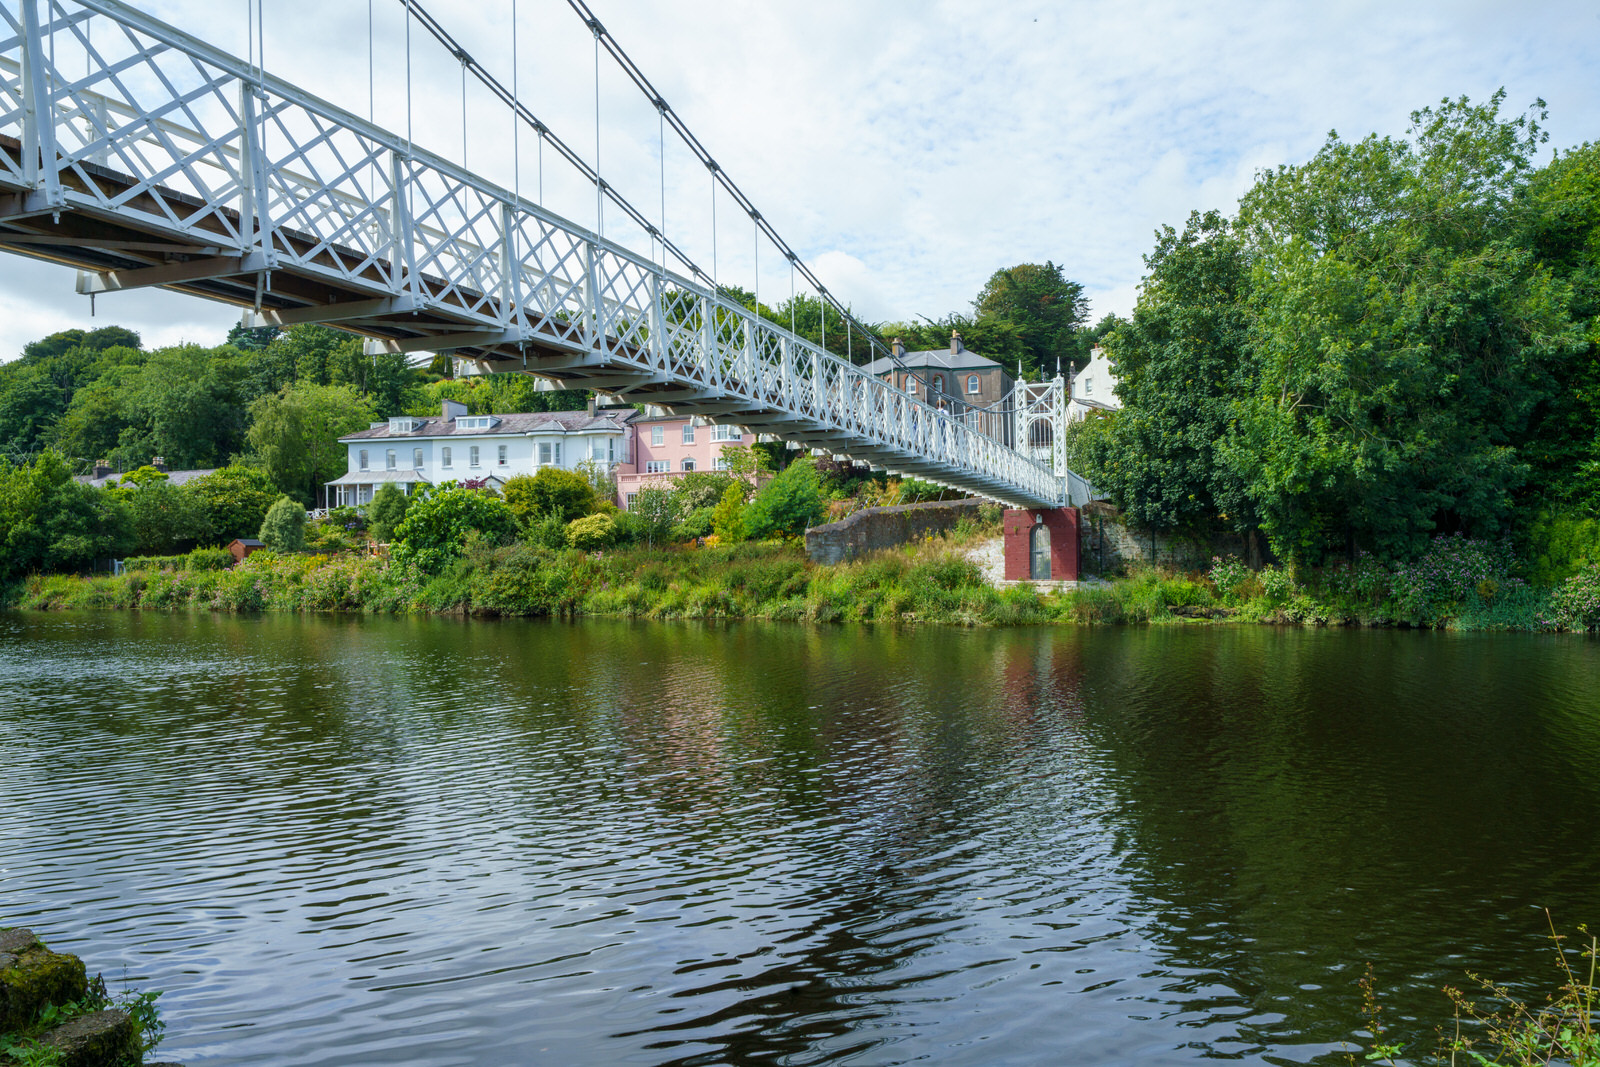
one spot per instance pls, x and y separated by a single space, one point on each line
173 164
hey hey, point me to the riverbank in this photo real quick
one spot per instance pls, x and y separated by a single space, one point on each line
1458 585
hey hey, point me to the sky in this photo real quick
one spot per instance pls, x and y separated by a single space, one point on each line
905 150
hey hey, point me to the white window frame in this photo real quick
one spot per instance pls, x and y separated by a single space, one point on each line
687 464
657 466
500 457
720 463
472 456
658 436
722 432
444 457
688 433
938 383
416 459
391 460
974 385
363 459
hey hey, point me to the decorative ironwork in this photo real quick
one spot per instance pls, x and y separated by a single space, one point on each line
169 162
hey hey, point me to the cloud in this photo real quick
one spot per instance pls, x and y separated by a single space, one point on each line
908 149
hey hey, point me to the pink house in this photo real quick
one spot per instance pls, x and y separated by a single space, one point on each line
669 446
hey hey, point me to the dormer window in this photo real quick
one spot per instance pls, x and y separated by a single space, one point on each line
476 422
404 424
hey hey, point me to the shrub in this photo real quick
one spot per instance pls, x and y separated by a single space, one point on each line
1227 574
1277 584
284 528
208 559
790 502
727 520
698 523
1575 604
567 493
235 499
548 531
434 531
387 511
1453 573
591 532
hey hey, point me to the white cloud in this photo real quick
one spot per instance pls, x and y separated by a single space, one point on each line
905 149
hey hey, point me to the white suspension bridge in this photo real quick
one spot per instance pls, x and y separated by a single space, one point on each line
144 156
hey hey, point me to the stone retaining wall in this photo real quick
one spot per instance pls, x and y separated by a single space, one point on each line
874 528
1108 545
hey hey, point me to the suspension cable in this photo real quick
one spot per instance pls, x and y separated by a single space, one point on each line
516 127
637 76
415 10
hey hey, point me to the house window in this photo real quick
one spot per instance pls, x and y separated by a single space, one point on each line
938 383
720 463
725 433
416 459
502 455
658 435
390 459
633 498
657 466
558 453
472 456
688 433
544 453
611 449
444 456
1088 386
363 455
972 383
911 384
688 464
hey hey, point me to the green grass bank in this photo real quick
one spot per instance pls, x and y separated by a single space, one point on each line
1459 586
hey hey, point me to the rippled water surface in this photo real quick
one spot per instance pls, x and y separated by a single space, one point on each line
429 842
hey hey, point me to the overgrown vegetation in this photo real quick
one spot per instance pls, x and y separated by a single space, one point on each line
24 1048
1495 1028
1396 340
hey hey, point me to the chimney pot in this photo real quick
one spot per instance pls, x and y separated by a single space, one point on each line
955 343
898 346
158 462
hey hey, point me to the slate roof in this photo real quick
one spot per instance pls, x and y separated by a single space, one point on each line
514 425
173 477
939 358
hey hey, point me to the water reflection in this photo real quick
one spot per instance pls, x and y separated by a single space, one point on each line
441 842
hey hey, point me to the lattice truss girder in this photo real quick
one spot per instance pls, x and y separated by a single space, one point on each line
144 156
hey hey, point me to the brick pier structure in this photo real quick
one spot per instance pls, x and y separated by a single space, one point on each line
1056 539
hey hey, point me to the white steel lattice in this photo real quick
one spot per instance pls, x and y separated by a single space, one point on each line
169 162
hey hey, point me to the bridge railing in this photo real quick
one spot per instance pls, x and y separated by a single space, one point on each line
119 114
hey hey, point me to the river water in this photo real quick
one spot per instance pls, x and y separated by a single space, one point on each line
429 842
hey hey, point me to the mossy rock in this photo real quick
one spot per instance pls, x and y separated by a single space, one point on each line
106 1038
31 976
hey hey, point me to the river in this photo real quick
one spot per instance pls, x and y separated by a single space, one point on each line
429 842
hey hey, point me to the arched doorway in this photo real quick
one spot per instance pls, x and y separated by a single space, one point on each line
1039 552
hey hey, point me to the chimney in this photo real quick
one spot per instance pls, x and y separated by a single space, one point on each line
898 347
159 463
454 409
102 469
591 405
955 343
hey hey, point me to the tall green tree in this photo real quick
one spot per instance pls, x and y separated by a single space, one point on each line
1404 333
1183 362
1045 307
296 434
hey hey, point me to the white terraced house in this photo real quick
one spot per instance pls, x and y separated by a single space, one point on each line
456 447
